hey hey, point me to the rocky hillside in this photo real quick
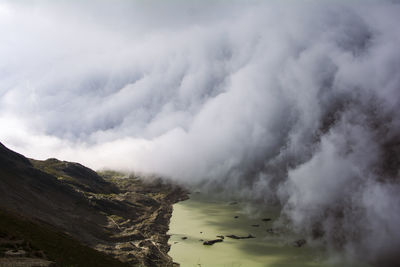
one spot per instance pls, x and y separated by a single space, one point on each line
122 219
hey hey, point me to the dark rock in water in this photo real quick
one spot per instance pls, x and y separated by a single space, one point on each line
184 238
272 231
233 203
299 243
212 242
255 225
221 236
236 217
201 240
240 237
201 232
266 219
176 242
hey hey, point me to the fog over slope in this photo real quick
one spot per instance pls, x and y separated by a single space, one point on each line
295 102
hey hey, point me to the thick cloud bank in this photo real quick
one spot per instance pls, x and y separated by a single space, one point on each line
291 102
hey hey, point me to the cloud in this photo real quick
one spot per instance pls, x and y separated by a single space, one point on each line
290 103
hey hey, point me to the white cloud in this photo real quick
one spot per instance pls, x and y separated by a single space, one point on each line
272 100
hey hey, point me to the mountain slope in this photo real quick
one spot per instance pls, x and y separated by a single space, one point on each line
42 245
125 218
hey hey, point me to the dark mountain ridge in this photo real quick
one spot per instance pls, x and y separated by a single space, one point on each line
125 218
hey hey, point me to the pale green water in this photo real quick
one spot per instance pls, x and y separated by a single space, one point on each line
212 218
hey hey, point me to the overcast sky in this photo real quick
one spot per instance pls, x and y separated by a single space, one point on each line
293 102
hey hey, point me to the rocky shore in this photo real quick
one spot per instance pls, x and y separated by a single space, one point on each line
57 213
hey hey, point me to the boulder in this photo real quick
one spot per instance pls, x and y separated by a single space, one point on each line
299 243
212 242
240 237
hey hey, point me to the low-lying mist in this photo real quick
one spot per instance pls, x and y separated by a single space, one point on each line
289 102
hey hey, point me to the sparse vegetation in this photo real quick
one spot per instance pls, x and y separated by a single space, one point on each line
34 238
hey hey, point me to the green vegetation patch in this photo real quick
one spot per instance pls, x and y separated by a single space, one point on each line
110 174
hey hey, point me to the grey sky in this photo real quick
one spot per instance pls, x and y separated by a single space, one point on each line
281 101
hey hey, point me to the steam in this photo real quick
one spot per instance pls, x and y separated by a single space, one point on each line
281 102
